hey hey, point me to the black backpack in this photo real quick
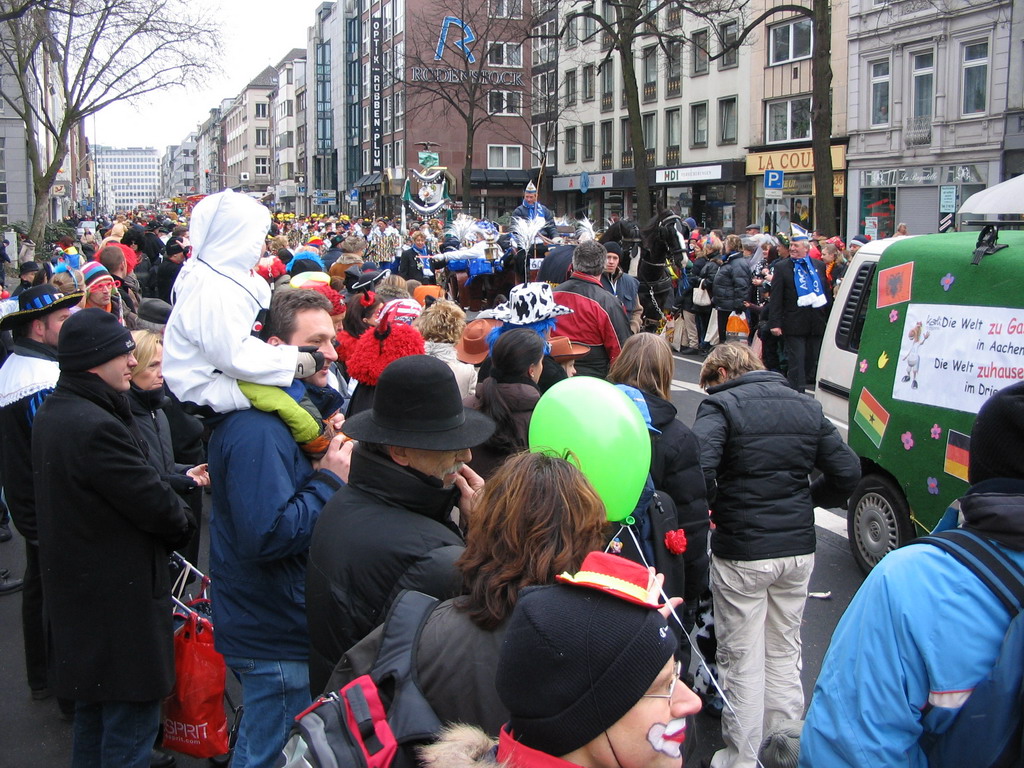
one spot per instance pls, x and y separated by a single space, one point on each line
380 718
987 732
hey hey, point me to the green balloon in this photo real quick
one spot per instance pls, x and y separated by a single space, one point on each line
598 423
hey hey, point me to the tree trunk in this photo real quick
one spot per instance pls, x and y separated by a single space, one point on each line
636 131
467 167
821 120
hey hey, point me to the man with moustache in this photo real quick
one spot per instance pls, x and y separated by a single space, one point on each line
391 527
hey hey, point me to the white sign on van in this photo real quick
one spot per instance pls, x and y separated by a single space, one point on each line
957 357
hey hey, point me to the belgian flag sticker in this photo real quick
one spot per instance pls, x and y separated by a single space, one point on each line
958 454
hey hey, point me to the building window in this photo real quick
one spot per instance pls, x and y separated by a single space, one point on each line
589 22
608 78
626 141
699 124
588 82
729 32
386 150
650 126
923 73
570 87
727 120
879 93
570 145
387 126
507 9
975 82
399 155
607 140
588 141
399 114
504 102
672 122
545 139
262 110
262 166
507 157
700 52
789 120
505 55
545 43
790 41
673 59
262 137
545 92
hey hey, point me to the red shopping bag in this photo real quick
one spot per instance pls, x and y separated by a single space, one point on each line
194 719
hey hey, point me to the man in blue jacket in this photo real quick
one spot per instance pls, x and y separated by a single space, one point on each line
266 499
923 631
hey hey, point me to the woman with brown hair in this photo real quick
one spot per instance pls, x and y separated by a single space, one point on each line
646 363
536 518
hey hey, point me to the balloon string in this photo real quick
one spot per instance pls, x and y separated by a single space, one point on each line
693 645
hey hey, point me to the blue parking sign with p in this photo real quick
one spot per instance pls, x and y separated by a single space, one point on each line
773 179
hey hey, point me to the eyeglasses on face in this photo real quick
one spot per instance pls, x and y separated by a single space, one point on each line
676 672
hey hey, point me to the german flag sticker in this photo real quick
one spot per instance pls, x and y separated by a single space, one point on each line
958 454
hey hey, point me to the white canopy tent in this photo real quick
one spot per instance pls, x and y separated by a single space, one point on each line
1005 198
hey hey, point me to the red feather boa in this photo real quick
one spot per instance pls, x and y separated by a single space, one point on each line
372 354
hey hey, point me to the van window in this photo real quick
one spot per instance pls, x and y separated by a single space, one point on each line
851 322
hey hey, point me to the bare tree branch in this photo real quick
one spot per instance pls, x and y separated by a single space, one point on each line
73 58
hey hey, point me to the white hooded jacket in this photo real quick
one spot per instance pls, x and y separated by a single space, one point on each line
208 342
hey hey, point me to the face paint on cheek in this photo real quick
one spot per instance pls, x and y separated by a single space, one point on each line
668 739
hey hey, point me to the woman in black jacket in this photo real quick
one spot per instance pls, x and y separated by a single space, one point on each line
148 401
646 363
731 285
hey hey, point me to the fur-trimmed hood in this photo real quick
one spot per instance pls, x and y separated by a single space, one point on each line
461 746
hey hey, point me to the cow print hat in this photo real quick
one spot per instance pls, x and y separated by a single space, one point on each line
527 303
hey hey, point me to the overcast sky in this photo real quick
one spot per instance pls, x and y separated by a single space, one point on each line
257 34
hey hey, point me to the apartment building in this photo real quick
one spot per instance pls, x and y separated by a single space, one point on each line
178 172
322 100
779 95
130 177
246 137
694 133
928 109
283 130
208 163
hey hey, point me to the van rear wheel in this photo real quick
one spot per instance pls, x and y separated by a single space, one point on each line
878 520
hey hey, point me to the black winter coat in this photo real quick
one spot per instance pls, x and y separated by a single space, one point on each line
455 666
410 267
759 442
106 525
731 284
675 469
148 410
783 310
389 529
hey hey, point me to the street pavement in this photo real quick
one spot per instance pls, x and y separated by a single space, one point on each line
32 734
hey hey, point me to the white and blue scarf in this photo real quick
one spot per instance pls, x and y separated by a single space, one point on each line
809 292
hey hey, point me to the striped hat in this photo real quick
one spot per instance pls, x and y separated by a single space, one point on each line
95 275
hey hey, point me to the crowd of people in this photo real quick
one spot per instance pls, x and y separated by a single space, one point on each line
356 436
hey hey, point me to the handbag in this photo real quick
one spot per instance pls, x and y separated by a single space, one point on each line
701 296
194 722
737 324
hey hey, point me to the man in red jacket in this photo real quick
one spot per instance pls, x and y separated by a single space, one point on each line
598 319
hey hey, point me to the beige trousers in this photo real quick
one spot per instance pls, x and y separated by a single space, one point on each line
759 605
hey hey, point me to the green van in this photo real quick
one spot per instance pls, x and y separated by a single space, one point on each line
924 329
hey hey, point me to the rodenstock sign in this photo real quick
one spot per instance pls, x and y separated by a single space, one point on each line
462 45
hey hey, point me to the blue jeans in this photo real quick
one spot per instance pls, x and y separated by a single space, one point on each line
114 734
273 693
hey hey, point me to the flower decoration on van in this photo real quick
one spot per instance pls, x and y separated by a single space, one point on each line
883 360
894 316
947 281
908 440
933 486
863 366
936 432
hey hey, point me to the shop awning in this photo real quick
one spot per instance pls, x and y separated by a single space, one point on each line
492 178
368 180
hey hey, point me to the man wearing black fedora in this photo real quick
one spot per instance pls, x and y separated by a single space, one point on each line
27 377
391 527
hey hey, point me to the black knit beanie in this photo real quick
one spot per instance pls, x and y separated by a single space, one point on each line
574 661
997 439
91 337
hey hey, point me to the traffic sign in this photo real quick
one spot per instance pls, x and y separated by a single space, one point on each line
773 194
773 179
